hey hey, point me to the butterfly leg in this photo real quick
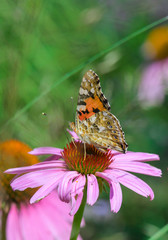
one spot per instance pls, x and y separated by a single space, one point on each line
84 149
74 142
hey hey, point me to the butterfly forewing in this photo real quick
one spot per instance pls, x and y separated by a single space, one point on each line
91 99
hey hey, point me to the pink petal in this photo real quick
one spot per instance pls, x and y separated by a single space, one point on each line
39 166
53 157
34 179
57 222
78 185
64 188
47 188
12 224
137 167
37 221
114 152
28 230
136 156
92 189
73 134
77 192
46 150
115 190
132 182
115 196
107 176
32 224
76 202
151 90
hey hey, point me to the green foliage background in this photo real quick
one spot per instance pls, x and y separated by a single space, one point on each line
40 42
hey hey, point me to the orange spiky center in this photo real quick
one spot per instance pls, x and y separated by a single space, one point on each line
13 153
85 159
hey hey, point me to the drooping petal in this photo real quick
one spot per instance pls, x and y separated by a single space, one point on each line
136 156
137 167
132 182
64 187
12 224
46 150
92 189
39 166
115 196
78 185
77 193
115 190
76 202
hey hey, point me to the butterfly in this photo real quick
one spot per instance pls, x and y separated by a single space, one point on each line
94 123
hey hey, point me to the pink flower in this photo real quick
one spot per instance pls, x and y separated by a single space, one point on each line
46 219
154 83
70 172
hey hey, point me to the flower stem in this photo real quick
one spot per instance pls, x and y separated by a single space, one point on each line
78 217
160 233
3 224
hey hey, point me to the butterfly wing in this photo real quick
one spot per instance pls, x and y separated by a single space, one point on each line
94 123
104 131
91 99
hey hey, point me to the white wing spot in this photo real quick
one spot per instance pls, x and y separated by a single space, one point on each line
101 129
92 119
83 91
105 113
92 90
90 75
81 108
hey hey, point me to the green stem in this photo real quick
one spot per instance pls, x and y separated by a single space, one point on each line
78 217
3 224
160 233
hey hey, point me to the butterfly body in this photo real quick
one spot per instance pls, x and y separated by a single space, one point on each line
94 123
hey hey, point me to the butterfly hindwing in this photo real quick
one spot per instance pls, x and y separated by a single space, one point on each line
104 131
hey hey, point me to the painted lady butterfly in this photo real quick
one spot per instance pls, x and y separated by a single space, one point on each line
94 123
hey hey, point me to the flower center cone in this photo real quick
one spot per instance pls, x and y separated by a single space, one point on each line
85 158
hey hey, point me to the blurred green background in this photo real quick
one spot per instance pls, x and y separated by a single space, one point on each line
41 41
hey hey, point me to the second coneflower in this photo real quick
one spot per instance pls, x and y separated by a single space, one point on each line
20 219
154 81
77 175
